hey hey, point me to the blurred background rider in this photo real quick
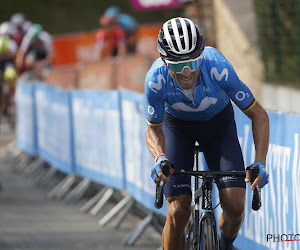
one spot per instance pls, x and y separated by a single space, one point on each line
36 51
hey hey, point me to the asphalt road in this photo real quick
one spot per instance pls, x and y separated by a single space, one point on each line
29 220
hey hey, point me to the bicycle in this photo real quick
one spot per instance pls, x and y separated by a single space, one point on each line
201 230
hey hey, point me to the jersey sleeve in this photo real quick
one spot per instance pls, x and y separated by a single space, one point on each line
154 93
237 91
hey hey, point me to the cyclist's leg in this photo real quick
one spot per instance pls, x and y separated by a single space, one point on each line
233 200
224 153
178 214
179 150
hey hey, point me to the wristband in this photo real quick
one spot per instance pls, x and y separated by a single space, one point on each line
159 155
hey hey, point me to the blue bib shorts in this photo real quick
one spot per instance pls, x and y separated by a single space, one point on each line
218 140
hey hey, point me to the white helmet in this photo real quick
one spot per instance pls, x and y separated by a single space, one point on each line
180 38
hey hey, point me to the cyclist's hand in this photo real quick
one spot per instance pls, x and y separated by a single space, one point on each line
156 172
262 179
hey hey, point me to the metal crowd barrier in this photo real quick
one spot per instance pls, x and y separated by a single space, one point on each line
99 137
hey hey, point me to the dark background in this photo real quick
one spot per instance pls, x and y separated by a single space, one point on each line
278 25
65 16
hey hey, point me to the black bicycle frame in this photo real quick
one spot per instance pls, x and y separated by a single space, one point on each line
207 208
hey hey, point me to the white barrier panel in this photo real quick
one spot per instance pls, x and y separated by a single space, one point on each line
138 160
97 136
102 156
277 224
54 129
26 122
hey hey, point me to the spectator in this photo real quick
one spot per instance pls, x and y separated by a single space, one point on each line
36 51
110 40
128 23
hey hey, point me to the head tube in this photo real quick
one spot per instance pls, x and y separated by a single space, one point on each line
179 66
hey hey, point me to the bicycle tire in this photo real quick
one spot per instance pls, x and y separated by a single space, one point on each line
208 239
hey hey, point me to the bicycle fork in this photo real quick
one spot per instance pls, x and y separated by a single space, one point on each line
206 209
207 214
197 193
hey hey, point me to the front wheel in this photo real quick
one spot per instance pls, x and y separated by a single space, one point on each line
208 235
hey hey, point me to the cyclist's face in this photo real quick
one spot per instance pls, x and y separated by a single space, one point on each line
187 78
185 72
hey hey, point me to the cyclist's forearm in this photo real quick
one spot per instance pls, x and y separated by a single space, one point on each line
261 139
155 140
260 129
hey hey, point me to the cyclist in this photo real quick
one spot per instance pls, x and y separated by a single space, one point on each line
188 92
36 51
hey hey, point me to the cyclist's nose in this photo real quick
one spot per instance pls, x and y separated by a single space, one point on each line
186 71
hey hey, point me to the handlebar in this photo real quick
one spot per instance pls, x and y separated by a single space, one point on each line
212 173
159 195
256 199
165 166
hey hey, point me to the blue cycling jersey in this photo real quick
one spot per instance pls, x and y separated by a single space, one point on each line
216 85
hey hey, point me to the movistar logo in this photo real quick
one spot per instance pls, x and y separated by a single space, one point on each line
214 73
155 87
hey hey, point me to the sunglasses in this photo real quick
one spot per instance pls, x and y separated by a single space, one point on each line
179 66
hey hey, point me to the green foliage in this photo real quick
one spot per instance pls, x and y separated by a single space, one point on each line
278 24
66 16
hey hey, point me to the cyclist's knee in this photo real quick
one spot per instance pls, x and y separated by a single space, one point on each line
235 211
179 209
233 203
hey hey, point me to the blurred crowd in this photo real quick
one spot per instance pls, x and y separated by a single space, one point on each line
26 50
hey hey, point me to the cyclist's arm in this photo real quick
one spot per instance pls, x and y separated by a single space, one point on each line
260 130
242 96
154 109
155 139
156 144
